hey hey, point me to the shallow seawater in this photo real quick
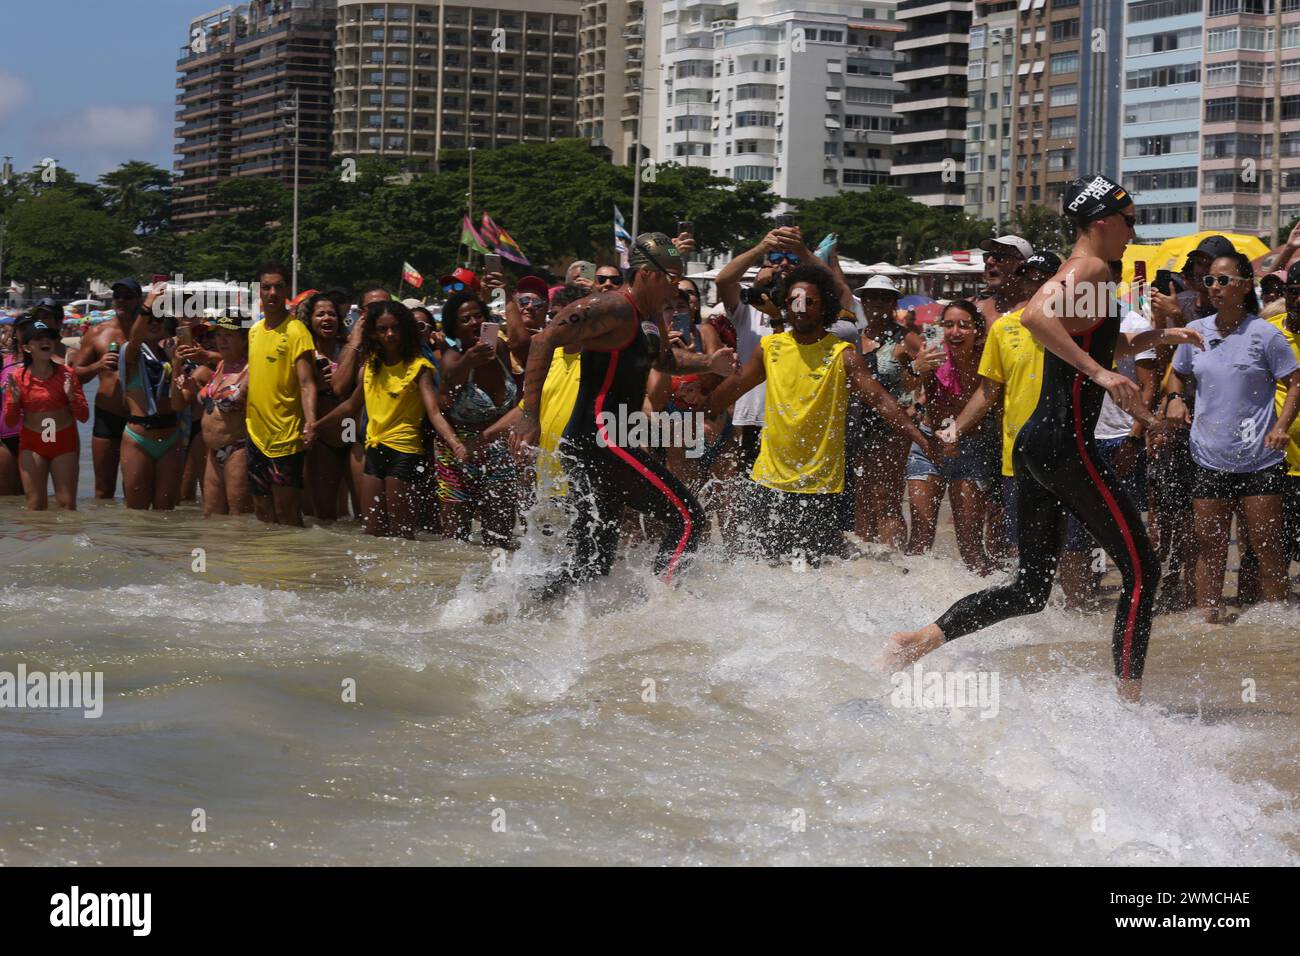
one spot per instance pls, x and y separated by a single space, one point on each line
743 717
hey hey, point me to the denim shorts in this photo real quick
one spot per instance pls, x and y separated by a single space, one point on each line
977 460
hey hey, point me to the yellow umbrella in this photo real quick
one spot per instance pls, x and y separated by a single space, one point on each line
1173 252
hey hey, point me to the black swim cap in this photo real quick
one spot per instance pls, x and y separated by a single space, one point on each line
1087 200
654 249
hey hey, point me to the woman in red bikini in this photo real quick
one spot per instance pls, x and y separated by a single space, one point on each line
47 396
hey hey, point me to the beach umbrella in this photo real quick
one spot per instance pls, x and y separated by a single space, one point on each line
913 301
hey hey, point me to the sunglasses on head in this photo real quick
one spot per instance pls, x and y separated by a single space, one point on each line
775 258
1222 280
615 279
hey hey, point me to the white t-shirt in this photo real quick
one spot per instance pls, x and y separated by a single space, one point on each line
751 326
1114 422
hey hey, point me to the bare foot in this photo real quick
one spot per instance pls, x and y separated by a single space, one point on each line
910 646
1130 690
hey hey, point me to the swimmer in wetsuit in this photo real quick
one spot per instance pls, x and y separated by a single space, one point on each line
1077 321
622 335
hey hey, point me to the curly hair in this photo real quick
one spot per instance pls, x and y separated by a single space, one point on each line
372 349
451 312
826 288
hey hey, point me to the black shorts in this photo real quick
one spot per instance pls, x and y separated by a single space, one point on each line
1209 484
1169 477
751 439
384 462
1291 516
11 442
108 425
791 525
266 473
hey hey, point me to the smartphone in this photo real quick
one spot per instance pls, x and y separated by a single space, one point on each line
785 220
491 263
187 335
686 226
1140 276
933 334
1164 283
488 333
682 323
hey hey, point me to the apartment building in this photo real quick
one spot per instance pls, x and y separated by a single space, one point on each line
989 125
930 141
414 79
1163 81
240 67
618 61
796 93
1068 92
1246 145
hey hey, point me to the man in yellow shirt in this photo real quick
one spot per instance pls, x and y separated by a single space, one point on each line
1288 323
809 372
281 404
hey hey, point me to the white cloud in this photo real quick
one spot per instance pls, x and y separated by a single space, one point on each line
13 93
108 128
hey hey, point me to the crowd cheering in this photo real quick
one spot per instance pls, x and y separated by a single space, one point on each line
823 409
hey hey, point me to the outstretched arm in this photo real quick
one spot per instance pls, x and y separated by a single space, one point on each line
874 394
429 396
730 389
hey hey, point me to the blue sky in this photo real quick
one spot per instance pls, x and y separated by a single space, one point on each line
91 83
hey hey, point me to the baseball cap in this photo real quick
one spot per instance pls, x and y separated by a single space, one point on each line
653 249
131 286
1279 275
1093 198
878 284
412 303
533 285
1048 262
229 322
1013 242
463 276
1293 274
1215 246
50 306
30 329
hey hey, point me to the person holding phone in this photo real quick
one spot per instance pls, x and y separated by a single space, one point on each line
152 457
327 476
476 377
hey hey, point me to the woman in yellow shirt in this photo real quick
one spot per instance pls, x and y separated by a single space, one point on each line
799 472
398 391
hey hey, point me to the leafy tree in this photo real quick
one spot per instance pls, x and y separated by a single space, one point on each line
237 242
138 195
57 241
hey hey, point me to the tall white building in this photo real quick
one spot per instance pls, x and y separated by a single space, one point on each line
795 93
618 42
1161 130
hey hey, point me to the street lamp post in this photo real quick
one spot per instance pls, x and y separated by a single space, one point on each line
292 107
642 89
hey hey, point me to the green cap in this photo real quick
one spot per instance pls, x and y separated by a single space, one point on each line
654 249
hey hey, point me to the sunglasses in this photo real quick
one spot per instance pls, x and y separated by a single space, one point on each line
995 256
614 280
530 301
455 287
422 326
1130 221
1221 280
967 326
775 258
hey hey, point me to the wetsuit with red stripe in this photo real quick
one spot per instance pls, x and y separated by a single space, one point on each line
605 478
1059 471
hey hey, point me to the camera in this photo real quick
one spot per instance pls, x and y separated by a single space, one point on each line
774 290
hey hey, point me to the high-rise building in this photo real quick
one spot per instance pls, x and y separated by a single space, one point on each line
1068 92
797 94
989 125
929 144
241 67
415 79
1248 146
1162 114
618 58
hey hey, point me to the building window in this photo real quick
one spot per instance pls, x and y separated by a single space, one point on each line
1065 95
1065 30
1162 110
763 174
1064 127
1167 75
864 177
1065 63
830 177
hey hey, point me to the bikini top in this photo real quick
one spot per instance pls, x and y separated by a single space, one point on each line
473 406
153 376
222 393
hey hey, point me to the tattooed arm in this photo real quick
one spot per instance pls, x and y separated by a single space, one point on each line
602 320
677 361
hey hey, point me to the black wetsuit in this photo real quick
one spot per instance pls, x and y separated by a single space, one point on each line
1058 471
605 478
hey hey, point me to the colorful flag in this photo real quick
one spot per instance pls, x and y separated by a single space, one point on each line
502 242
468 237
410 276
622 238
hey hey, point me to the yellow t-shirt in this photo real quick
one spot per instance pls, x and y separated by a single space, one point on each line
394 410
274 406
1293 446
1015 360
559 395
802 449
